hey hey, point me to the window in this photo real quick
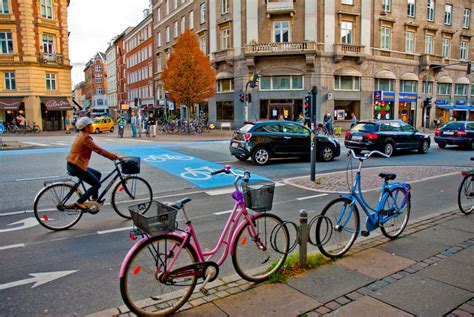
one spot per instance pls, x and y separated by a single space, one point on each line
48 44
50 81
158 39
158 14
351 2
175 4
176 31
99 91
346 32
463 50
225 110
46 8
411 8
183 24
467 19
167 6
191 20
472 89
386 5
225 85
444 89
430 15
460 89
202 12
4 7
203 44
448 14
6 43
98 79
281 30
167 34
408 86
10 82
410 42
98 68
430 87
386 38
224 6
383 84
281 83
428 44
347 83
225 39
446 47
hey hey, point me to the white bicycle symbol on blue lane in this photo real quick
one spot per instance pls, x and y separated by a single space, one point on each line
201 173
167 157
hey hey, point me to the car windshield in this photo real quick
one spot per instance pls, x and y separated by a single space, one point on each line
246 128
453 126
97 120
364 127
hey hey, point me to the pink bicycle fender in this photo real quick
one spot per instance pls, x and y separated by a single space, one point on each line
243 223
126 260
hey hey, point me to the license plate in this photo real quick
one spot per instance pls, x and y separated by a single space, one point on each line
448 133
356 138
236 145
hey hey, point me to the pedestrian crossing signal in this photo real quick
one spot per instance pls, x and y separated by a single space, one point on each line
307 106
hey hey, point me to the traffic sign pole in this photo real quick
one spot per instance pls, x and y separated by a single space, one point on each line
314 93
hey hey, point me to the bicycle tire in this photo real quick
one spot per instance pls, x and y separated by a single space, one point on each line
140 286
324 235
466 190
122 191
394 200
244 258
48 215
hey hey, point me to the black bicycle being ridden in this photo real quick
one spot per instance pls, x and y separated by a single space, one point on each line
52 204
466 191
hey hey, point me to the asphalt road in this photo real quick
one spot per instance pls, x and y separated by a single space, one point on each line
90 254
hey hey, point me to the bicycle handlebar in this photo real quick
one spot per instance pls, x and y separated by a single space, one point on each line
367 155
245 176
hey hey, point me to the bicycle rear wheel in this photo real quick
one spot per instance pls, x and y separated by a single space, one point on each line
130 191
257 255
466 194
140 285
337 228
397 207
46 207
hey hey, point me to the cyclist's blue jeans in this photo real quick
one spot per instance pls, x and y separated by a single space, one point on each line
91 177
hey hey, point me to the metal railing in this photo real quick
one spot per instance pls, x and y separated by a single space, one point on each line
288 47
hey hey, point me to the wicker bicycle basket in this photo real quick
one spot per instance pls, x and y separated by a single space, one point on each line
259 196
130 165
160 218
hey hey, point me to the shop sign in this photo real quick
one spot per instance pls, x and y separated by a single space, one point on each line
384 95
125 107
461 102
441 102
408 97
377 95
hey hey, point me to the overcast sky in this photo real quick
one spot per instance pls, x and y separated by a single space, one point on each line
93 23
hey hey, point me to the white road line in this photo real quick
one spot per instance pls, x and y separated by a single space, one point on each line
223 212
114 230
229 190
35 143
34 178
61 143
12 246
137 140
16 213
310 197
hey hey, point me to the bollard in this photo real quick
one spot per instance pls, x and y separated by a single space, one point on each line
303 238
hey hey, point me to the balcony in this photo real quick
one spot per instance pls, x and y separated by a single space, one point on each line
223 55
348 50
428 60
280 7
281 48
51 58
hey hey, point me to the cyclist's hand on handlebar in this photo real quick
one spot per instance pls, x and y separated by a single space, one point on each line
119 158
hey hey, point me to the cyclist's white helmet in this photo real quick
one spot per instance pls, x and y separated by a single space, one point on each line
83 122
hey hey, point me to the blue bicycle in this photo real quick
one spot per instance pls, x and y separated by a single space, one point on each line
2 128
339 224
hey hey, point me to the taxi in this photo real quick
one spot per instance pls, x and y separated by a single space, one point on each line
101 124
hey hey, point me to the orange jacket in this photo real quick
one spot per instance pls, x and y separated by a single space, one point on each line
81 151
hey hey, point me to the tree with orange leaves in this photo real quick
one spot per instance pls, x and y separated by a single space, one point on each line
188 76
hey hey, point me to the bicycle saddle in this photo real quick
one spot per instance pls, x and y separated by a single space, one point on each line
180 203
388 177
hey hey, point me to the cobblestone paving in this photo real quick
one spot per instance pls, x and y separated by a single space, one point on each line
338 181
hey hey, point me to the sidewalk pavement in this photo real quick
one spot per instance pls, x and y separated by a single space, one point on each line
426 272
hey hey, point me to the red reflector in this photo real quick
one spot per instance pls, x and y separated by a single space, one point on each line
133 237
136 270
121 189
348 134
45 218
437 132
247 136
465 173
461 133
244 241
371 136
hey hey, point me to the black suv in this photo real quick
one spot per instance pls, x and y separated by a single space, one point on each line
386 136
264 140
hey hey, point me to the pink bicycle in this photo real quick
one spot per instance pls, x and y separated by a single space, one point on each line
160 272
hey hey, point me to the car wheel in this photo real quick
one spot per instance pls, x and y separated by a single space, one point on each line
97 131
388 149
326 153
441 144
242 158
260 156
424 147
112 129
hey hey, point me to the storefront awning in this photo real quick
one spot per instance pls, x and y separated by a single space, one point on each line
445 80
456 108
409 76
56 103
10 103
385 74
462 80
347 71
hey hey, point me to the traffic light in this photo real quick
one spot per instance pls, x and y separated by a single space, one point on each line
468 68
254 80
427 102
249 97
307 106
242 97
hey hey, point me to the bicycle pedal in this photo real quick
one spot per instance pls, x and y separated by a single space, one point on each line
364 233
204 291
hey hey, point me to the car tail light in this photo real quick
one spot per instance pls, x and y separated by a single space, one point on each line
371 136
348 134
461 133
247 136
437 132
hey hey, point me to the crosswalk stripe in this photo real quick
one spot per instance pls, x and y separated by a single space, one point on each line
35 143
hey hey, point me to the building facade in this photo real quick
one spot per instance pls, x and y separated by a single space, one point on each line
378 59
111 61
96 85
121 69
35 70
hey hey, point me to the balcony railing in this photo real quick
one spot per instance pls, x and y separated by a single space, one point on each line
280 7
348 50
428 60
51 58
283 48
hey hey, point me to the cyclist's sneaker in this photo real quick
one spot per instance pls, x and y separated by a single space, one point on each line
99 201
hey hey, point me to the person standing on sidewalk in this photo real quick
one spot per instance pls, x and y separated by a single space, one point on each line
152 124
353 120
133 125
140 123
67 123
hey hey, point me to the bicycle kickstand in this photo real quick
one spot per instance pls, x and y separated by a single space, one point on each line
209 275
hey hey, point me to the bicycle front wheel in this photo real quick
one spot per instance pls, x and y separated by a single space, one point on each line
145 287
466 194
130 191
260 249
48 207
397 209
337 228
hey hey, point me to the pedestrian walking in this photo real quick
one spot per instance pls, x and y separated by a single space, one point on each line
133 125
301 118
121 125
353 120
67 123
152 124
140 123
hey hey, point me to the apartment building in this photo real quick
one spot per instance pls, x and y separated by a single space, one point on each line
121 69
111 62
35 70
378 59
138 44
96 85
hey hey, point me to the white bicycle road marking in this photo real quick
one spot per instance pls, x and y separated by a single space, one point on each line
198 174
167 157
